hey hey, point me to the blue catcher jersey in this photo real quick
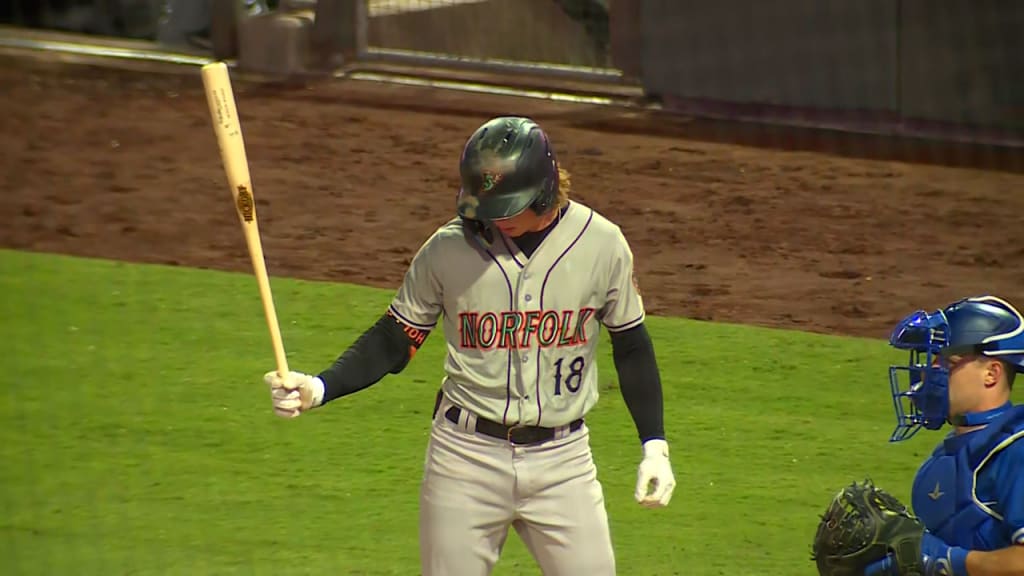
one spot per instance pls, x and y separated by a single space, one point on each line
970 492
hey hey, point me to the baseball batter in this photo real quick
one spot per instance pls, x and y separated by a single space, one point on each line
523 280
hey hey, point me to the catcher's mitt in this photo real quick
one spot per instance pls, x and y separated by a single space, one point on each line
862 525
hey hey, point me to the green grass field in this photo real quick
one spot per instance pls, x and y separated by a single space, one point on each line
137 436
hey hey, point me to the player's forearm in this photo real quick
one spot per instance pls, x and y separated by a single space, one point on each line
383 349
639 380
1005 562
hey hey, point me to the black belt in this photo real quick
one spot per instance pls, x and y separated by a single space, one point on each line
514 434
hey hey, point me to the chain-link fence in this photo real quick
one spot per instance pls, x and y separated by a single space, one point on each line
877 65
552 33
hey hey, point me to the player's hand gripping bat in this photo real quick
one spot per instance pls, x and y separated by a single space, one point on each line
228 128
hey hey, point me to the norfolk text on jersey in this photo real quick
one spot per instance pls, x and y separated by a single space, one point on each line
514 329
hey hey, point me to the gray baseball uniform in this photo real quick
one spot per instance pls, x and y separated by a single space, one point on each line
522 335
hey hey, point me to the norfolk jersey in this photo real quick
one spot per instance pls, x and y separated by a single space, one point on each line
522 332
970 492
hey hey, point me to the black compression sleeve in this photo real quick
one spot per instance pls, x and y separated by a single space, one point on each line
639 380
385 348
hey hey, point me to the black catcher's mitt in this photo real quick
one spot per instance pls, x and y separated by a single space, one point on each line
862 525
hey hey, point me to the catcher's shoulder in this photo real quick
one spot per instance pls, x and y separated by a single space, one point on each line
1011 438
1013 448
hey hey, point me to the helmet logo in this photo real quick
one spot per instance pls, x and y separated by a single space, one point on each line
491 179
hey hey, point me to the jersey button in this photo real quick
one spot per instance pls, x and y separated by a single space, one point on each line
528 298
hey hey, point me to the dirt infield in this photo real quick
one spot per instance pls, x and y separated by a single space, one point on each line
730 223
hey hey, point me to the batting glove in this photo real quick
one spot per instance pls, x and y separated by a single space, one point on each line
655 481
295 393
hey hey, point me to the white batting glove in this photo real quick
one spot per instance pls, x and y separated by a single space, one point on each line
295 393
655 481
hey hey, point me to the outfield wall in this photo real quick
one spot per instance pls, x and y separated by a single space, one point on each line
957 64
950 69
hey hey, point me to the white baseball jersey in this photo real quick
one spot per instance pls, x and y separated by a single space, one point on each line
522 332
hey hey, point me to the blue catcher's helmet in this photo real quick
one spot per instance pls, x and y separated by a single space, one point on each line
982 325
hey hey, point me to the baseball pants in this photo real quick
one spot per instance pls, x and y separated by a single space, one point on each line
474 487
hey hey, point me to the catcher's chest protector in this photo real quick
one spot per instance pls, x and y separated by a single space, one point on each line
945 488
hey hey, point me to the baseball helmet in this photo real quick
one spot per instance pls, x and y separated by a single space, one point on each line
980 325
507 166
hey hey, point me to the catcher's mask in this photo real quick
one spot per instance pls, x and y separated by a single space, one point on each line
983 325
508 165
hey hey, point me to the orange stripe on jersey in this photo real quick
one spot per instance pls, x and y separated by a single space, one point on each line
416 336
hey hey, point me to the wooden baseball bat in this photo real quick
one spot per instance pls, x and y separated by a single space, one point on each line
228 128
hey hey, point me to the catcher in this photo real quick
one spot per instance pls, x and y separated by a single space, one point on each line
968 496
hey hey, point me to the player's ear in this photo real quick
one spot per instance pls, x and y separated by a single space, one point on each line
994 372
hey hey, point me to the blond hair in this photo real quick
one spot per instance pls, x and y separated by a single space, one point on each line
564 187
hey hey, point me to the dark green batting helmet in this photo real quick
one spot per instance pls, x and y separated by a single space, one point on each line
507 166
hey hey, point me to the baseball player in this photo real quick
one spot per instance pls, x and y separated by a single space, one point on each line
523 279
969 493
